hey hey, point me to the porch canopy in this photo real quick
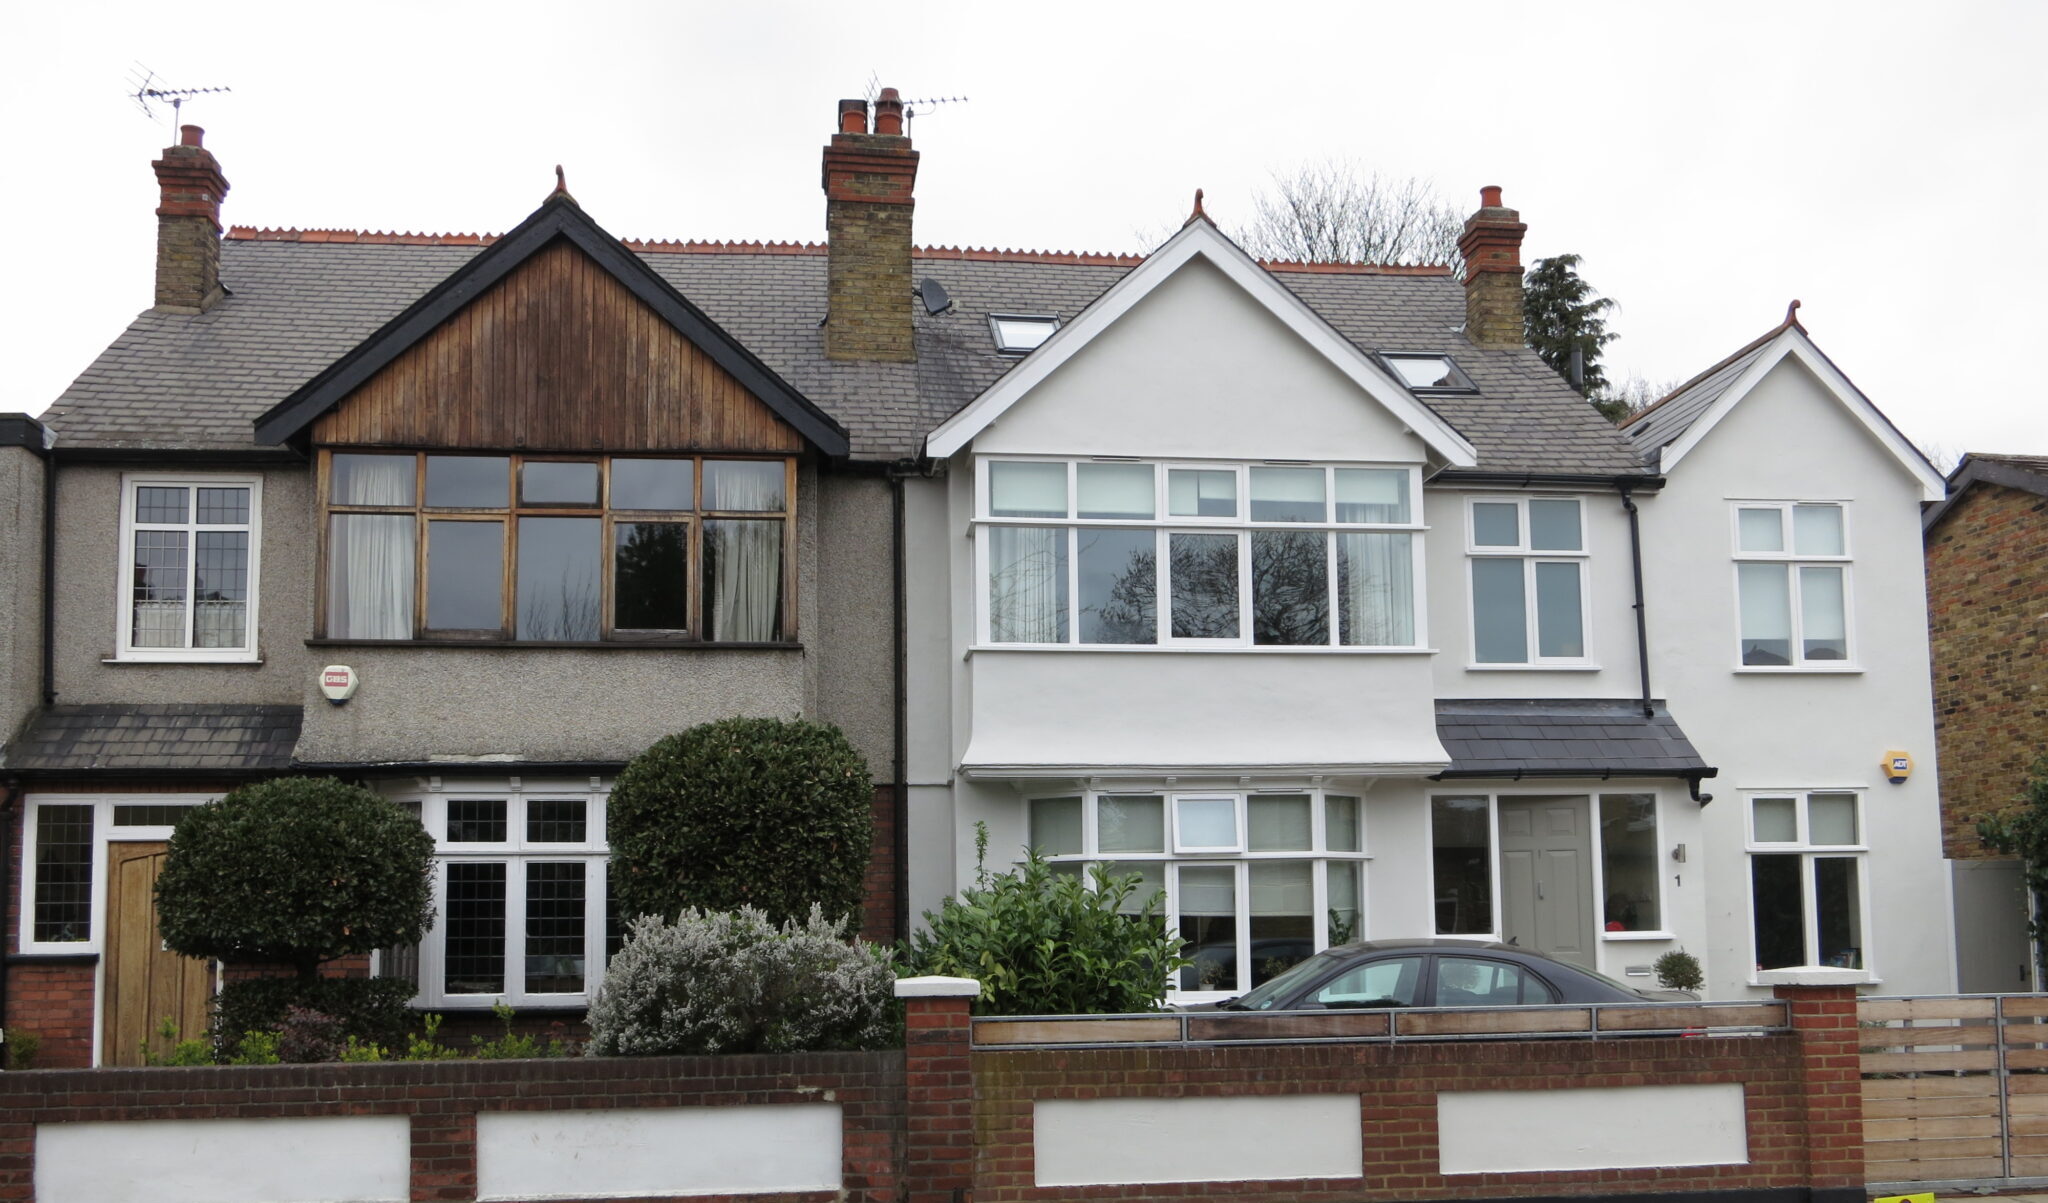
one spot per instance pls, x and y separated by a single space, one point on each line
1520 738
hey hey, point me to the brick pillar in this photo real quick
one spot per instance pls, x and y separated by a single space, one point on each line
444 1155
938 1087
1831 1080
1492 247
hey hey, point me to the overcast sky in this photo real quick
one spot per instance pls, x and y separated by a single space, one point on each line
1880 162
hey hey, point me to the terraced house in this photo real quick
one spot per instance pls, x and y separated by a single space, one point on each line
1305 591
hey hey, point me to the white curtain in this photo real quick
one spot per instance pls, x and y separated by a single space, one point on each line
370 558
1027 584
744 559
1376 589
220 609
159 589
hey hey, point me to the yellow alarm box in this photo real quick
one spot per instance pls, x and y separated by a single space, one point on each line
1897 767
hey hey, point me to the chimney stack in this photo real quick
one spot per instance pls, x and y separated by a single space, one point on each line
868 179
188 225
1492 247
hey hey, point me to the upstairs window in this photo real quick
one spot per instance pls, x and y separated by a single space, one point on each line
1528 557
188 568
557 549
1021 333
1792 584
1104 553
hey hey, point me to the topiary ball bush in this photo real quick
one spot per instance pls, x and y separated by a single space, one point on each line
298 870
762 812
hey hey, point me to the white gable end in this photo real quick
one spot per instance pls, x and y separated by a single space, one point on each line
1201 353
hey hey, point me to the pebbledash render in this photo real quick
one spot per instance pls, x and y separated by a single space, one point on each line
1304 591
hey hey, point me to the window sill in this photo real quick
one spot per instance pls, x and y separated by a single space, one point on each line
607 645
253 660
1827 670
1532 668
37 957
1619 937
1198 650
481 1004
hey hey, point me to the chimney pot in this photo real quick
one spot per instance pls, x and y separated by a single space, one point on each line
853 116
889 113
1489 197
191 135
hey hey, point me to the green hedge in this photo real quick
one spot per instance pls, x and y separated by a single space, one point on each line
373 1010
768 813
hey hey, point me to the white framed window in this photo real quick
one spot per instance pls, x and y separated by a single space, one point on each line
64 860
1465 867
1255 880
521 901
190 552
1528 577
1127 554
1808 901
1792 584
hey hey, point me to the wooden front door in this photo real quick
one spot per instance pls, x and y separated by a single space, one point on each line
144 982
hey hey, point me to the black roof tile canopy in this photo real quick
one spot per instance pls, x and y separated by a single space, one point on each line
156 738
1519 738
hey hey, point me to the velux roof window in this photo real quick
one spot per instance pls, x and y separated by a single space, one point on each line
1427 372
1020 333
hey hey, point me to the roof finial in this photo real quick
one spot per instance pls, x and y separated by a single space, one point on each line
561 185
1792 317
1198 213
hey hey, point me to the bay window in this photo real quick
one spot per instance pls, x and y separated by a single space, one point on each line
1806 851
1107 553
1255 881
535 548
189 551
1528 557
1792 584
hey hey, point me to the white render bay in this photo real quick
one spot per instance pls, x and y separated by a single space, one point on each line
1201 596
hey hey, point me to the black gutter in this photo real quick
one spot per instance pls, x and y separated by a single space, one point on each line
49 604
454 768
1522 480
275 457
1692 777
1635 551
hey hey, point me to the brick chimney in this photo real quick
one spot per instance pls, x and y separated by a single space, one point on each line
188 225
868 179
1492 247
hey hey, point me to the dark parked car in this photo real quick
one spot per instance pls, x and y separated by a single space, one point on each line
1436 973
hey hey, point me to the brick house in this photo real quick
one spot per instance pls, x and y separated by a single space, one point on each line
1306 591
1987 606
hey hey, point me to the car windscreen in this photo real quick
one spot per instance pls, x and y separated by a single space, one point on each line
1268 995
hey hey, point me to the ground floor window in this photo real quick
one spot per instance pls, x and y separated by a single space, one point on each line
1485 848
1806 879
1255 881
64 859
522 909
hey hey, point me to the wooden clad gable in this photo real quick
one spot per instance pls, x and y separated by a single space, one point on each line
559 355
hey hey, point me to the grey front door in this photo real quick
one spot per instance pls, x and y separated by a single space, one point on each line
1546 876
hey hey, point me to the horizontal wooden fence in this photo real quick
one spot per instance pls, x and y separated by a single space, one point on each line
1388 1026
1955 1089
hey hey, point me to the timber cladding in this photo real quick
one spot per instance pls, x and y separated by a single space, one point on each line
560 356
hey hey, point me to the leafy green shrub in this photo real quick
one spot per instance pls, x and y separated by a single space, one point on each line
370 1010
1043 943
256 1048
22 1047
718 982
298 870
745 812
183 1052
1678 970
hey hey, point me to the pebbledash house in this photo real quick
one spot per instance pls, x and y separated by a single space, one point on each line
1305 591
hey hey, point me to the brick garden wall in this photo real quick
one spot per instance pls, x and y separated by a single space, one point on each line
1987 592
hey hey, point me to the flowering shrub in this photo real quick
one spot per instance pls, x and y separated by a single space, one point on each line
718 982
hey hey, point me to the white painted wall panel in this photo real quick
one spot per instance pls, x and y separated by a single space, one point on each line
657 1151
1502 1131
1086 1142
344 1159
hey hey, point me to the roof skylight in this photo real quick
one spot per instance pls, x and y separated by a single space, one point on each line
1021 333
1427 372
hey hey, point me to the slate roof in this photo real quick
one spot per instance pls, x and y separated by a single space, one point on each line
1663 423
196 382
156 736
2028 473
1554 737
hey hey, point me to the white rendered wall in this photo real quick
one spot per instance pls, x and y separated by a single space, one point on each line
658 1151
1788 440
1509 1131
344 1159
1259 1138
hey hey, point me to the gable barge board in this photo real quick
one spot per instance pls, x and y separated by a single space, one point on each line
559 217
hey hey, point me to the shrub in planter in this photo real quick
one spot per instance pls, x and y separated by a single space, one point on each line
1043 943
745 812
1678 970
733 982
299 870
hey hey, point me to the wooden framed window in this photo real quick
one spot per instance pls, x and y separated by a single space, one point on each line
552 549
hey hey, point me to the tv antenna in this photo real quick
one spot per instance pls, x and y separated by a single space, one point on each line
149 90
911 108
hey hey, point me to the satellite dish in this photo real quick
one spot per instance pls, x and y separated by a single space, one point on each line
934 296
